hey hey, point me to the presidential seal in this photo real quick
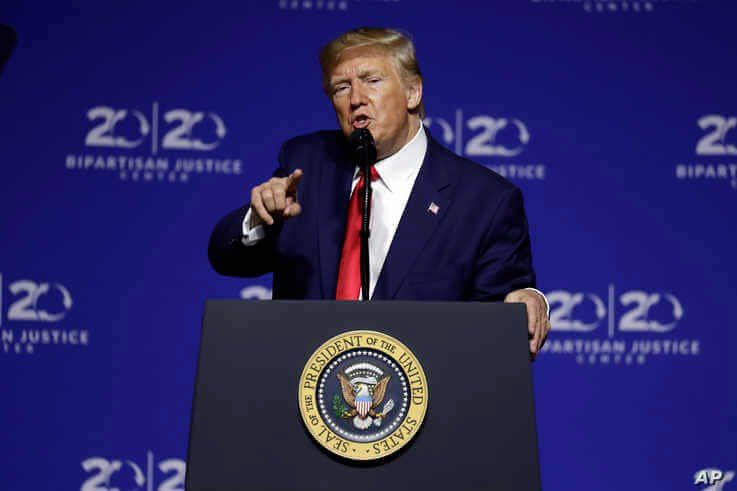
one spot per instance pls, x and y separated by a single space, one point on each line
363 395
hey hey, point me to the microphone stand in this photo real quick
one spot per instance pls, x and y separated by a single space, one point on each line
363 149
365 220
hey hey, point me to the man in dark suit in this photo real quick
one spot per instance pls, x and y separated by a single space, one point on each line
442 227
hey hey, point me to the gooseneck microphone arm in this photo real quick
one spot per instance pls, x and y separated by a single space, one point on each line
364 153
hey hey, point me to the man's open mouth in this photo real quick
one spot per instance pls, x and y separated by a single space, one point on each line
361 121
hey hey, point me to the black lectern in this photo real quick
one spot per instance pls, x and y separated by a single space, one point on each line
478 432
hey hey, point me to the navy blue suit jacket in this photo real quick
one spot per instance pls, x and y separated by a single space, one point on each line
477 246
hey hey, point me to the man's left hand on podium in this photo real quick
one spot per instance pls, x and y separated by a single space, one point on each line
538 324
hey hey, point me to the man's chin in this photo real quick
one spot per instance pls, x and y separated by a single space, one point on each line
381 151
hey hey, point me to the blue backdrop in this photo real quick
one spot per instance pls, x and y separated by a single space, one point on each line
129 128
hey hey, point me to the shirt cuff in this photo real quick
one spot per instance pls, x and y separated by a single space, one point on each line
251 234
547 305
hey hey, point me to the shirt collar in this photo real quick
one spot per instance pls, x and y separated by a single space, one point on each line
400 166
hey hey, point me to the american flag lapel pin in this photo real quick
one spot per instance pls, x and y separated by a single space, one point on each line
433 208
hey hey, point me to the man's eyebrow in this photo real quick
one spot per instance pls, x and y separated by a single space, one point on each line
370 73
362 75
340 80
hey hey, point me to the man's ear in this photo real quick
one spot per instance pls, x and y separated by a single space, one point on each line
414 93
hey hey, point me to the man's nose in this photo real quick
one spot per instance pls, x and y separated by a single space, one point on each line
357 96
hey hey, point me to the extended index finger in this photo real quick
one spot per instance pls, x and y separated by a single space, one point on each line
293 179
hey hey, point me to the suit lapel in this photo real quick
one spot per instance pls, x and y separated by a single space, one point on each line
335 175
417 222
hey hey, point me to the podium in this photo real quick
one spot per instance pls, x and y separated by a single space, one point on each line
247 431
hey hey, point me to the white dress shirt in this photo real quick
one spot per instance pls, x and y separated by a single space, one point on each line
390 193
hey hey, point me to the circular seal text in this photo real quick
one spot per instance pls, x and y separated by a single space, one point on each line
363 395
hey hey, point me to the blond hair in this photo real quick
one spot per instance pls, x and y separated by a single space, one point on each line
388 41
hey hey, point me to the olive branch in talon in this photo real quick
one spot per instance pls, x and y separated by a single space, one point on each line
340 410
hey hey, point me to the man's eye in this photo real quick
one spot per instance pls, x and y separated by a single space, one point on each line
374 80
340 88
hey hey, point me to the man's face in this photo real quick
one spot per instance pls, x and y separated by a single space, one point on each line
367 92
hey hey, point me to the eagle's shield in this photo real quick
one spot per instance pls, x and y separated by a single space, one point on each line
363 404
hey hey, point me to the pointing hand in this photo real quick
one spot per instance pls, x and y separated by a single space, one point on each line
276 199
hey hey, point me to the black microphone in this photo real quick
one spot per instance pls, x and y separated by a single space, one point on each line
363 152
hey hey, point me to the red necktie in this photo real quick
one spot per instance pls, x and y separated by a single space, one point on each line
349 273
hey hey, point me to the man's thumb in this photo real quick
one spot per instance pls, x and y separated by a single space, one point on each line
293 210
